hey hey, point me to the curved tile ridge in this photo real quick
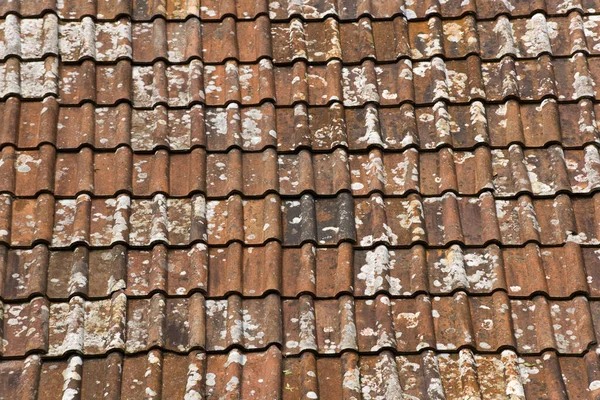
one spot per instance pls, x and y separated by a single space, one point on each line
315 42
142 86
115 376
443 323
557 272
289 129
431 375
134 325
348 10
404 81
505 173
285 9
176 221
387 41
141 42
483 323
436 221
439 221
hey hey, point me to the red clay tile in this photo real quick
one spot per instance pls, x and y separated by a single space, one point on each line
323 220
282 199
268 373
298 39
281 10
173 41
254 271
250 40
327 326
207 9
319 128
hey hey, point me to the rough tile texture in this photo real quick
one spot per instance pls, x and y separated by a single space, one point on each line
300 199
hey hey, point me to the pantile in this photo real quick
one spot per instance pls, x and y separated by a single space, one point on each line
285 42
430 375
299 199
558 271
27 125
418 82
285 9
408 325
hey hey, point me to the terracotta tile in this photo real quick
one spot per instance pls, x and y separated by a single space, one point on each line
319 128
241 9
321 221
240 40
26 8
444 374
37 37
443 323
172 9
323 174
208 9
247 221
103 222
317 9
251 323
475 220
108 41
312 84
34 316
313 42
145 86
245 84
503 172
323 272
135 325
174 85
282 199
281 10
173 41
250 174
34 79
556 324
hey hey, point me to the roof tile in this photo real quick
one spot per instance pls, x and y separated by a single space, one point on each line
486 323
442 375
281 10
252 128
299 199
217 271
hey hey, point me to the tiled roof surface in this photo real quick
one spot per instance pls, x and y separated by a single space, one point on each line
300 199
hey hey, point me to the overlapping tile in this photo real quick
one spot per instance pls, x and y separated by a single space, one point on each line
419 82
27 125
387 41
558 271
250 40
299 199
485 323
404 221
281 10
134 325
267 373
505 173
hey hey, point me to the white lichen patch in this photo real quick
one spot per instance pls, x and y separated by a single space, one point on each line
536 38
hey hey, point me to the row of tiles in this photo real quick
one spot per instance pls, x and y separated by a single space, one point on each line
249 41
143 10
270 375
422 83
436 221
485 323
505 173
29 124
557 272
